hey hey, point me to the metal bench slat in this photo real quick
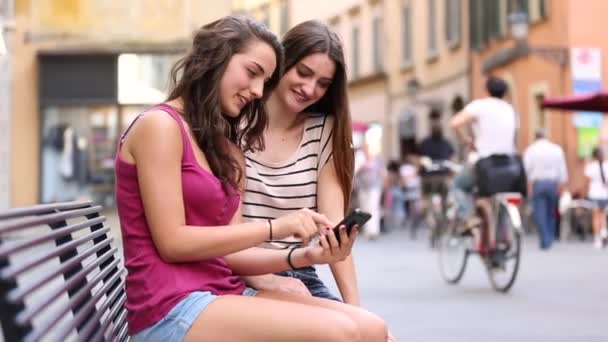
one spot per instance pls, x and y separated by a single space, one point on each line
116 329
122 335
43 328
46 219
77 299
96 320
26 316
19 294
14 271
43 209
15 246
117 310
87 312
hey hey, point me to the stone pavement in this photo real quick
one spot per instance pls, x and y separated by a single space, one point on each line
560 295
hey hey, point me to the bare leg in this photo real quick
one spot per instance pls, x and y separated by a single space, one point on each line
486 206
371 327
276 317
597 221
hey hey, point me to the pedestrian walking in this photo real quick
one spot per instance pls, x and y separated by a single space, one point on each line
596 175
547 174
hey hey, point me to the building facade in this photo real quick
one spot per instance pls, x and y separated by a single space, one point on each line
81 70
429 67
546 66
389 46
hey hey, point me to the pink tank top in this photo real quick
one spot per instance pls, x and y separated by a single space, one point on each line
153 286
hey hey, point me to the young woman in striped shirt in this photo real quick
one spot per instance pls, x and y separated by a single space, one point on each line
308 160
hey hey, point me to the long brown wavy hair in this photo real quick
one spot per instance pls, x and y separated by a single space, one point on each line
312 37
195 79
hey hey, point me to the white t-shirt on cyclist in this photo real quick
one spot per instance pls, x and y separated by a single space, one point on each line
494 126
597 189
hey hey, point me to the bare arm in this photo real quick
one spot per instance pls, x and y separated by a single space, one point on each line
256 261
563 172
330 201
459 123
158 162
263 261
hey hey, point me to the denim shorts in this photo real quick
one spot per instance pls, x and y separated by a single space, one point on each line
175 325
600 203
308 276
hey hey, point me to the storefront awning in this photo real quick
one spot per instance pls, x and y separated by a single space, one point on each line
359 126
594 102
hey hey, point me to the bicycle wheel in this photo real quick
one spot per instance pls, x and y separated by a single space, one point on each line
503 263
453 253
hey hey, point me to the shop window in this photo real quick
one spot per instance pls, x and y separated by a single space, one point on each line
78 149
377 50
452 21
81 124
432 28
408 124
541 115
406 35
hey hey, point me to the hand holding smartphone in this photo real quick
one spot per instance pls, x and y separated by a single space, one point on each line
355 217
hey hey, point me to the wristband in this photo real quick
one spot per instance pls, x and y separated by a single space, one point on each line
270 228
289 257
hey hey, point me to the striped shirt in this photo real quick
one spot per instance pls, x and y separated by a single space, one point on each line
276 189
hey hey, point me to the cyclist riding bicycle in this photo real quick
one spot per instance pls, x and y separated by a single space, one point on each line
437 149
498 168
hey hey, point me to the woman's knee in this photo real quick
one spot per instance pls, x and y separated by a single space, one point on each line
374 328
341 328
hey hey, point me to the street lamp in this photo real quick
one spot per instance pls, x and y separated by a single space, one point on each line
520 28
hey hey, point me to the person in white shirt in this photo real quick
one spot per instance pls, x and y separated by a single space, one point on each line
494 126
597 175
546 171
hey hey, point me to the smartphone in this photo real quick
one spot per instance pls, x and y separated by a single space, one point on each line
356 217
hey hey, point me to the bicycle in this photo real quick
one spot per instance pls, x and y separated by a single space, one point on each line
502 260
436 184
577 219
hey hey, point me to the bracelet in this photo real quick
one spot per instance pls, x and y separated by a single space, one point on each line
289 257
270 228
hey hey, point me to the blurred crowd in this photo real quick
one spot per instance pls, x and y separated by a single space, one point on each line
397 192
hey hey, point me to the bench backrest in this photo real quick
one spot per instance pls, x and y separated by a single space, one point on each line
60 276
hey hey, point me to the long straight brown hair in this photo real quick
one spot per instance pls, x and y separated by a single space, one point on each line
312 37
195 80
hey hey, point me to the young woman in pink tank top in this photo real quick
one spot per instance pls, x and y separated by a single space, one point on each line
180 173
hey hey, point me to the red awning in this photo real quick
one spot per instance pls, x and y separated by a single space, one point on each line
595 102
359 126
